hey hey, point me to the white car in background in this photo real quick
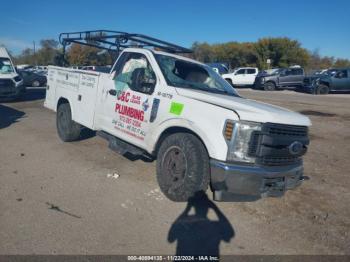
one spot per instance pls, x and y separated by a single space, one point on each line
243 76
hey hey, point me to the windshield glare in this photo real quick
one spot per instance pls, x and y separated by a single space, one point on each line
184 74
5 66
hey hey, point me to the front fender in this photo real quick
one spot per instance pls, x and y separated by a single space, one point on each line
187 124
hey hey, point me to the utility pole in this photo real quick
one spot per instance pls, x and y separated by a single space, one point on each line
34 53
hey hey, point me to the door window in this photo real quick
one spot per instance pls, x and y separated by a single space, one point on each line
134 72
240 72
251 71
342 74
297 71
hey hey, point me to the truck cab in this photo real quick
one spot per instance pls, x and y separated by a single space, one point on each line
183 114
11 84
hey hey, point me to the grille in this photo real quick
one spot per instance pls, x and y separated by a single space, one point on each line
278 161
270 146
286 130
6 83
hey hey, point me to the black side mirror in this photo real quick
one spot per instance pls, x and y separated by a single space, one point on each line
142 82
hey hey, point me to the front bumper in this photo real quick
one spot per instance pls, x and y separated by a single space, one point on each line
9 92
308 88
248 183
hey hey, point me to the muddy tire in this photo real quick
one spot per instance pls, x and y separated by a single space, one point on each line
269 86
67 129
322 90
182 166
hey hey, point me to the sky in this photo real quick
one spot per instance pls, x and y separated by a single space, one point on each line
321 25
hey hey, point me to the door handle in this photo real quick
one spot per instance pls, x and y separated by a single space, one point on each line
112 92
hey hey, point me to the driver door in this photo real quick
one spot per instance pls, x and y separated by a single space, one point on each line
341 81
239 77
128 98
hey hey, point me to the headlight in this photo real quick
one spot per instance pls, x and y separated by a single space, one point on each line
237 135
262 80
17 79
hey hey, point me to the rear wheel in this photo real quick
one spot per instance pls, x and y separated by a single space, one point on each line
182 166
67 129
269 86
322 90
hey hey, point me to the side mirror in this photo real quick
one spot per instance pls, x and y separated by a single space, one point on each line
143 82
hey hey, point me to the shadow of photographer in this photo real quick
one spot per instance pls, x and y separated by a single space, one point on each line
196 234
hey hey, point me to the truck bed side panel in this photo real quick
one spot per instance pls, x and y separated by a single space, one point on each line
78 87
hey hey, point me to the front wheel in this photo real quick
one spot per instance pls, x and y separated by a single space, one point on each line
322 90
269 86
67 129
182 166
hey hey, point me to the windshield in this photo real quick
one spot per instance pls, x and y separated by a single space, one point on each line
5 66
331 72
274 71
184 74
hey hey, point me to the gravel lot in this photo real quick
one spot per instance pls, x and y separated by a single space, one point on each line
62 198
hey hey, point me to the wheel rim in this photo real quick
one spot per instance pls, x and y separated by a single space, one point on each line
36 83
269 87
175 167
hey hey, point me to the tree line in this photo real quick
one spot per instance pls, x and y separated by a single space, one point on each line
280 51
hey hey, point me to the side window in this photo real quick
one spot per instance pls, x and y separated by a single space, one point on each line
342 74
251 71
288 72
240 72
298 71
135 72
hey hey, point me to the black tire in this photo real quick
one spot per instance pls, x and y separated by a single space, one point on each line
269 86
182 167
36 83
322 90
67 129
229 81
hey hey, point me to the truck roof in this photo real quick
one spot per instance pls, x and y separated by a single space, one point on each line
136 49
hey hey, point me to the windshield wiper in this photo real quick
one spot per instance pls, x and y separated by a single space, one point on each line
210 90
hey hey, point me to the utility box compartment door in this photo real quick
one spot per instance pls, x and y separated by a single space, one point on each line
86 99
51 89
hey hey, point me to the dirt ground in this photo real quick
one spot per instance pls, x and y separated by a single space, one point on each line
82 198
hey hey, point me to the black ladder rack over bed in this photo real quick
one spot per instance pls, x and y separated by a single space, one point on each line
115 41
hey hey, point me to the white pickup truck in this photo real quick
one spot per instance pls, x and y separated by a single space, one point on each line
181 113
241 77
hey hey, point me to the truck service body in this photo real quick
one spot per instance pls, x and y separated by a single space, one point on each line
200 135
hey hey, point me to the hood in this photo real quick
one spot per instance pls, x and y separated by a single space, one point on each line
249 110
314 77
